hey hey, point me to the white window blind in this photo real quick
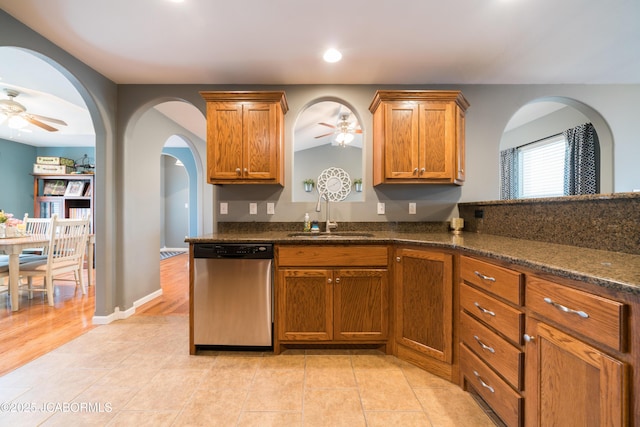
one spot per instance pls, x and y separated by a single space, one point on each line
541 168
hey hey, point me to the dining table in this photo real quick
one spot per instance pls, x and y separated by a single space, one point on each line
13 247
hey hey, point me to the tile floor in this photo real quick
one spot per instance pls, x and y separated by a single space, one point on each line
138 372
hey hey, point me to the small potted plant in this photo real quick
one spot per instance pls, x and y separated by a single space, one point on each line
358 184
308 184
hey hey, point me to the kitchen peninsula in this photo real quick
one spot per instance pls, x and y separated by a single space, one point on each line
598 288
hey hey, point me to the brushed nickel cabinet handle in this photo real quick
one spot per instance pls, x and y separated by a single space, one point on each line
566 309
415 171
238 170
423 170
483 345
337 280
484 384
484 310
398 259
329 281
483 277
528 338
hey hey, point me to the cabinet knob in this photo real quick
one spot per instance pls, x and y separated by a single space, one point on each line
337 280
238 170
246 170
528 338
329 281
398 259
423 170
415 171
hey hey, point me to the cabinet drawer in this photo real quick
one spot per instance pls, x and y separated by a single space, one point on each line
503 357
503 318
499 281
332 256
504 401
598 318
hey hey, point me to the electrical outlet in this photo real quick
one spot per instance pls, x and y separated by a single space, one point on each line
253 209
224 208
380 208
412 208
271 208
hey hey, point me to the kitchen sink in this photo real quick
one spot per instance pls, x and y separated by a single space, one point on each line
333 235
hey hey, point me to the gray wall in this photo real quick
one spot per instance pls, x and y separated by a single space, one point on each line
127 193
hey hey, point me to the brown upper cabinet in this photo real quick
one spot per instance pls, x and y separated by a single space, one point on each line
245 137
418 137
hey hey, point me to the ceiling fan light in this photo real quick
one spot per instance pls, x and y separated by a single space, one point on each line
17 122
332 55
348 137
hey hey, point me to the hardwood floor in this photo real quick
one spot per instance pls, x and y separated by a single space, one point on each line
36 328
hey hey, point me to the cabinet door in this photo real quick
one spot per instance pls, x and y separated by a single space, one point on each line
360 304
424 306
305 305
260 141
224 140
401 152
437 132
571 383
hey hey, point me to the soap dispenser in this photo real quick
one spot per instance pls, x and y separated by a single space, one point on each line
307 223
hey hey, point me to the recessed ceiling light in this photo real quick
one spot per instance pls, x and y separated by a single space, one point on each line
176 1
332 55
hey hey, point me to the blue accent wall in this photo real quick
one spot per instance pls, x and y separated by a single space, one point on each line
16 188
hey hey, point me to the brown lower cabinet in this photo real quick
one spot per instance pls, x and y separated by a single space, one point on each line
571 383
345 304
574 345
423 295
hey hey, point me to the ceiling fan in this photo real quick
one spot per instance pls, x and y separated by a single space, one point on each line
16 116
344 130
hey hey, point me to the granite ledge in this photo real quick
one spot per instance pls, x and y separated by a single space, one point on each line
613 270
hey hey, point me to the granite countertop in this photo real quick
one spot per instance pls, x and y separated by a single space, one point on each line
614 270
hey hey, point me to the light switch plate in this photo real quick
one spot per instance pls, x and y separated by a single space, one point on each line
271 208
380 208
253 209
412 208
224 208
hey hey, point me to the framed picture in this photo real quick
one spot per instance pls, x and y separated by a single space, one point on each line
54 187
75 189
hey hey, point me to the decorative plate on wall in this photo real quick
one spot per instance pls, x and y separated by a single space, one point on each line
334 184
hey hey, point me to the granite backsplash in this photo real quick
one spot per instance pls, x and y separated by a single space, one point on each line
609 222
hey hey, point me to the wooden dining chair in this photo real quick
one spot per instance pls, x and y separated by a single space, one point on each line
67 243
35 227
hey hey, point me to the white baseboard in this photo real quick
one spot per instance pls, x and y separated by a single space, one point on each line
119 315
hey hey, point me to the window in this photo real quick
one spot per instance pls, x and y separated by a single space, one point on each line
541 168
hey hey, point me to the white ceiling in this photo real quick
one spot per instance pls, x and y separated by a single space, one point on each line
383 42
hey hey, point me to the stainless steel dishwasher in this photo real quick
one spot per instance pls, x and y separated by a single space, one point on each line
233 295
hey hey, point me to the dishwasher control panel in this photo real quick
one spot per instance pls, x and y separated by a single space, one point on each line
233 250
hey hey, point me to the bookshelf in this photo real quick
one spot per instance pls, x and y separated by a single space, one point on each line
70 196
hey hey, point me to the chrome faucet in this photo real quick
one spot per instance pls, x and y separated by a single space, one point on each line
330 224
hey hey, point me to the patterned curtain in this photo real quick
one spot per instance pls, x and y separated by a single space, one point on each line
509 174
581 164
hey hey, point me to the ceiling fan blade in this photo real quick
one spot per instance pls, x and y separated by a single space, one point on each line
326 134
328 125
47 119
39 123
